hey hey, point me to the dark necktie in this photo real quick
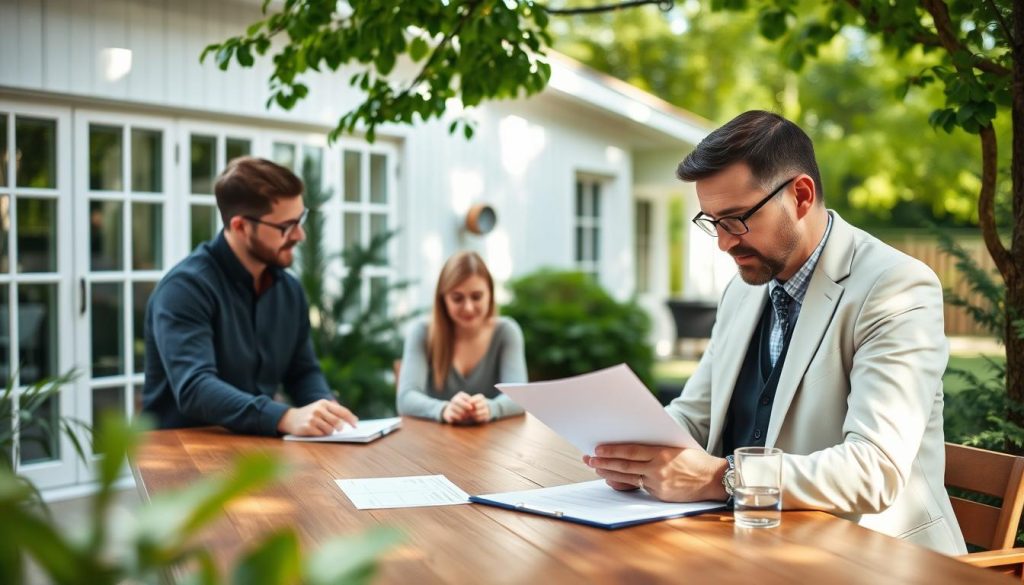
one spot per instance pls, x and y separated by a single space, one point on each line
781 302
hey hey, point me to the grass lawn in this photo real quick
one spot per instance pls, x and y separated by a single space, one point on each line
976 364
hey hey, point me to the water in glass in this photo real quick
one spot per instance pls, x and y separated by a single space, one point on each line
758 507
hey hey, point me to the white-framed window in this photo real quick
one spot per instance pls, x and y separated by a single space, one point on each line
124 217
95 207
587 219
204 149
366 207
643 213
35 276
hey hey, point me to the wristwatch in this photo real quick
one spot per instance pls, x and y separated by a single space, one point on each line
729 478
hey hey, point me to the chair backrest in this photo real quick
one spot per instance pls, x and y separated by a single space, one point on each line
993 474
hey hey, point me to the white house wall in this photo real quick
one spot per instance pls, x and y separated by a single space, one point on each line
523 161
69 47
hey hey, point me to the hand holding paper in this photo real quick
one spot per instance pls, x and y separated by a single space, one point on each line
607 406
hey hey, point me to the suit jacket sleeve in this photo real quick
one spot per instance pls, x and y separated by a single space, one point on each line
692 408
900 353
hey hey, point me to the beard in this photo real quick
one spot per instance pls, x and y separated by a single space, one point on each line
768 266
280 257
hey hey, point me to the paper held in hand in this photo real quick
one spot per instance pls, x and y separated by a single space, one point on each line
364 432
607 406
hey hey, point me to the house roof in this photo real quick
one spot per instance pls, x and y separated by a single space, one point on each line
576 82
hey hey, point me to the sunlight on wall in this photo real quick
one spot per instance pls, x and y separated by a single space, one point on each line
467 186
614 155
115 63
520 143
433 249
499 254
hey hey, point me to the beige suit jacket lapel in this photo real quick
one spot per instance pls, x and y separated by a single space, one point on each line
729 356
816 315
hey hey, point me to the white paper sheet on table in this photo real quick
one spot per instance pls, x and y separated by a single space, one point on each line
402 492
607 406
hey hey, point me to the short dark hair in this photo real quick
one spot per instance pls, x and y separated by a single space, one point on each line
250 186
767 143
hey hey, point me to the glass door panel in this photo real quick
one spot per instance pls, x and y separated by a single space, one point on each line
35 298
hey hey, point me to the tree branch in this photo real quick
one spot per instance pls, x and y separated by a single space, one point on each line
947 36
986 202
664 5
437 50
1002 22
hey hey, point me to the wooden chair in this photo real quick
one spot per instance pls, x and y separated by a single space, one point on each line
991 528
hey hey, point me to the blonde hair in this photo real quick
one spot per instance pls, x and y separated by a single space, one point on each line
441 333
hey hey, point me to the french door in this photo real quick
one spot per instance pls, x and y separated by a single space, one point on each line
95 207
124 206
36 288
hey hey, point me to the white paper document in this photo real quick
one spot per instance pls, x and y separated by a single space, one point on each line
364 432
402 492
607 406
595 504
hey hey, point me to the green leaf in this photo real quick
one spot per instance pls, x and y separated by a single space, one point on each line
772 23
351 559
385 62
244 56
224 56
418 49
171 519
275 561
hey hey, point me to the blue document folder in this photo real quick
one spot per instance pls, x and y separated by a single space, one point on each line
595 504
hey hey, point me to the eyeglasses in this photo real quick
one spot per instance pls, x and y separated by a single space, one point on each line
734 224
286 227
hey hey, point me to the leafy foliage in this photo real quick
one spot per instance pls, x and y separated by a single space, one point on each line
163 531
572 326
357 343
882 164
470 50
978 414
29 402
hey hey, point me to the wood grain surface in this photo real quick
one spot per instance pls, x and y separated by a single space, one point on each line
483 544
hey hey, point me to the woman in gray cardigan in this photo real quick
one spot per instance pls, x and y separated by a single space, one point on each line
451 363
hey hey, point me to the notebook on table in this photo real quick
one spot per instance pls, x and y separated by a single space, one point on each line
364 432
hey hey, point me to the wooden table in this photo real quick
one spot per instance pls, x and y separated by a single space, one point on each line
484 544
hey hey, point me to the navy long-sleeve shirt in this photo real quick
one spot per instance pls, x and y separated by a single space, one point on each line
216 352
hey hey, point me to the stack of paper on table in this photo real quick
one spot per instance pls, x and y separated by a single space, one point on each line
607 406
595 504
364 432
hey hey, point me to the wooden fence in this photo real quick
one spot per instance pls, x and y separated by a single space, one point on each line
927 250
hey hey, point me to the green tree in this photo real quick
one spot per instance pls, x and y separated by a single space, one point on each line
978 53
477 50
883 165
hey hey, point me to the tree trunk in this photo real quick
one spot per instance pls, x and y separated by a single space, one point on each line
1014 275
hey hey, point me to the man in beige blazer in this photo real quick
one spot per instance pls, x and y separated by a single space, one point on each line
829 345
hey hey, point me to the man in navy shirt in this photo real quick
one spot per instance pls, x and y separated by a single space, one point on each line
228 327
